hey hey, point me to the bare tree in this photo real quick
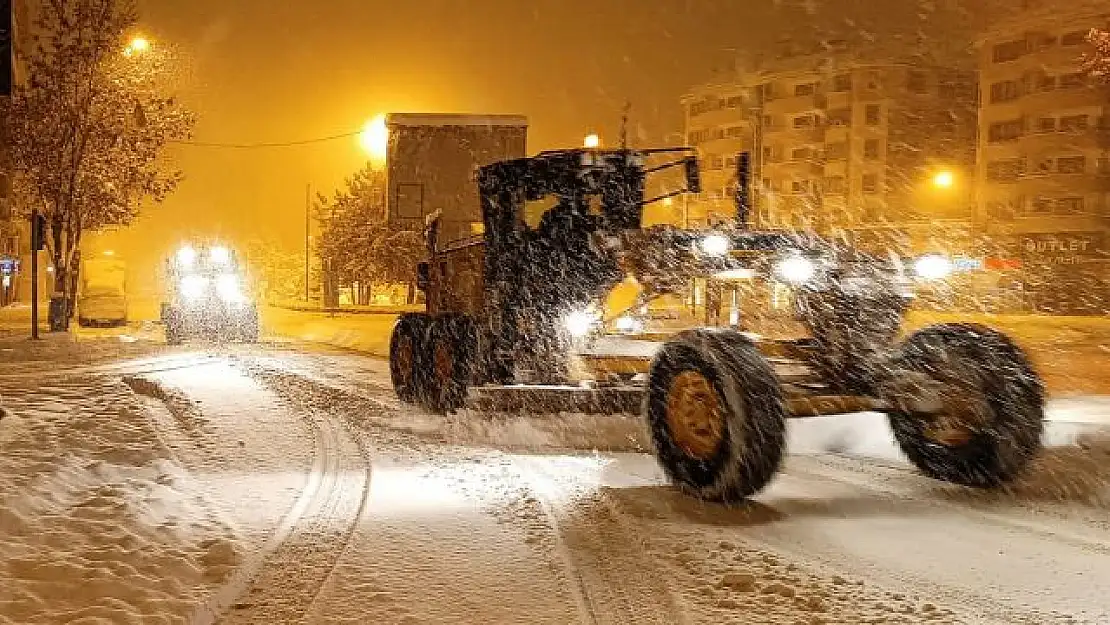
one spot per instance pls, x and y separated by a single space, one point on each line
89 129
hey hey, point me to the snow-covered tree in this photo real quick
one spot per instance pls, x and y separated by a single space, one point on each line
89 128
1097 63
356 243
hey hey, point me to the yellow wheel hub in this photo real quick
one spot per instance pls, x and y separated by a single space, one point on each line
694 415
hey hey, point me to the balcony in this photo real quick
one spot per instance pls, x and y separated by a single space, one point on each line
795 104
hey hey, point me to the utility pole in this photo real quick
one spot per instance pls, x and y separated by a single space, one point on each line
307 205
624 125
38 236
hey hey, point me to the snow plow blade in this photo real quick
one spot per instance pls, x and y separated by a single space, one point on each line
627 400
556 399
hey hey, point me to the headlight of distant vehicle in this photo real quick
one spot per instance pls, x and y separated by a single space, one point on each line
933 267
795 269
219 256
186 257
579 323
193 287
715 245
228 288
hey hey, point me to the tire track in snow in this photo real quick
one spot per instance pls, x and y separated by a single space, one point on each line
1091 533
616 581
140 366
292 565
306 552
988 564
185 442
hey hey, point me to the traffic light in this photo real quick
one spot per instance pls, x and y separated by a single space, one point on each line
38 232
743 189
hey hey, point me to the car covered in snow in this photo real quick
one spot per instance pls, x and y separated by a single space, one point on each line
102 297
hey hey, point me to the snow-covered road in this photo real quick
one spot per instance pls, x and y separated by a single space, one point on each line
281 484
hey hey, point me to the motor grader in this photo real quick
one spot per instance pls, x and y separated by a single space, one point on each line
516 321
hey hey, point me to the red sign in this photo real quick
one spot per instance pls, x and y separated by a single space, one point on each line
1002 264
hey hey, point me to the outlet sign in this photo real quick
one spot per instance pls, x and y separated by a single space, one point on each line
1065 248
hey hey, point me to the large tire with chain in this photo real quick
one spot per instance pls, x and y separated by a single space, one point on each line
406 358
451 350
717 415
988 416
853 333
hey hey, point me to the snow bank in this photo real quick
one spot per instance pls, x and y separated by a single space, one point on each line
368 333
96 521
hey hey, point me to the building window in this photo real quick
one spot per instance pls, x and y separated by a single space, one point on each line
870 183
769 121
1041 41
1046 124
836 151
1002 210
1071 164
1074 38
1005 91
734 131
805 121
768 184
840 117
1069 206
1074 123
801 154
1008 51
800 186
1045 83
871 149
734 102
835 185
769 154
1056 206
842 83
1074 80
1005 131
1006 170
874 114
917 82
803 89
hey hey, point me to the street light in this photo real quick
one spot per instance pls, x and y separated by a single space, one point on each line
374 138
591 141
944 179
137 45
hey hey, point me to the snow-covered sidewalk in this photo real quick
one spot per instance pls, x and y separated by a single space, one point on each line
98 523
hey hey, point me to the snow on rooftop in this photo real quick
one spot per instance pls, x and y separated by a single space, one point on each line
454 119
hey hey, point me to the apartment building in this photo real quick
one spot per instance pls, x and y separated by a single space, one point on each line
881 152
1044 155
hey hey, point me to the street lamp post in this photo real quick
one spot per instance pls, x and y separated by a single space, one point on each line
307 208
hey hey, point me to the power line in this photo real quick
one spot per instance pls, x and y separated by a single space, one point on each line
282 144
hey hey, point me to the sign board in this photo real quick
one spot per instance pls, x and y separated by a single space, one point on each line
7 54
1064 248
